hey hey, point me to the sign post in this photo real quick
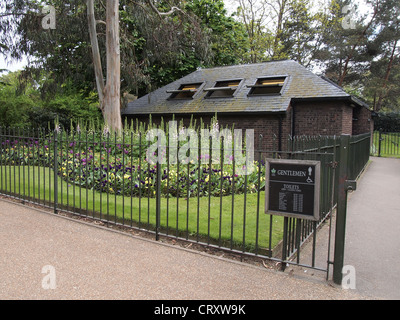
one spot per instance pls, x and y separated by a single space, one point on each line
292 188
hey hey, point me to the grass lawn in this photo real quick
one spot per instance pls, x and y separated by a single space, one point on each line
210 220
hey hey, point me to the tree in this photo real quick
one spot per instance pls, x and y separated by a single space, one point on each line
360 38
383 83
110 91
300 35
14 107
253 16
68 51
28 108
342 55
280 9
65 51
280 29
227 37
363 59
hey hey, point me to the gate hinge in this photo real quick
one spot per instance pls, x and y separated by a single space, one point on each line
351 185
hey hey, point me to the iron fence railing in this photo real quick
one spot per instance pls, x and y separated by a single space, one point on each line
359 153
207 200
386 144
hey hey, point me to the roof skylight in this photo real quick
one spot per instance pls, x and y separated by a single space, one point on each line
185 91
223 89
267 86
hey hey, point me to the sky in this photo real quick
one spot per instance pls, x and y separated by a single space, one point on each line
13 66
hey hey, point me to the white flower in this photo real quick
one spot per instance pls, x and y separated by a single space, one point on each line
106 130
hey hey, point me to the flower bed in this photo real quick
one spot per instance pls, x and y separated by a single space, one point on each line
118 165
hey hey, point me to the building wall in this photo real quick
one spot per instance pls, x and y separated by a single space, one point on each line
271 131
327 118
266 127
331 118
362 121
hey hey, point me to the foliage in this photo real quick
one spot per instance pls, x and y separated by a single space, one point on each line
14 107
156 50
387 122
253 17
26 107
300 35
363 59
228 38
146 41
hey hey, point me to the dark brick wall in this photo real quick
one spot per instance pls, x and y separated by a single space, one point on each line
331 118
266 127
362 121
271 131
328 118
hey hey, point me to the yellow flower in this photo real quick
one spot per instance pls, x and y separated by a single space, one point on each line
127 176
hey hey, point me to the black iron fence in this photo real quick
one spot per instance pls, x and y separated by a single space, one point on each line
386 144
213 200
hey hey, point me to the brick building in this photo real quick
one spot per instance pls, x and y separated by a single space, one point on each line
276 99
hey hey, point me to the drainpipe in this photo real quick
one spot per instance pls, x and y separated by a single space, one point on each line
293 120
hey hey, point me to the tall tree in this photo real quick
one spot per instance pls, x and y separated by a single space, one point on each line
342 54
280 29
361 38
147 35
301 32
254 16
110 91
383 82
279 10
227 37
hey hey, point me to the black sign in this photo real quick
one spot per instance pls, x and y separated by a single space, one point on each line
292 188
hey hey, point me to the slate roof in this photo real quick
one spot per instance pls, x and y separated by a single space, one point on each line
301 83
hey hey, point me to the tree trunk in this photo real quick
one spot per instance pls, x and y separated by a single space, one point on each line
280 12
96 53
112 96
109 93
382 94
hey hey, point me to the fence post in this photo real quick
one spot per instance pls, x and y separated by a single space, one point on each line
285 242
379 143
55 171
341 210
158 195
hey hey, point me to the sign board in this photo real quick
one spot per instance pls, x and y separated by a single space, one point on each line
292 188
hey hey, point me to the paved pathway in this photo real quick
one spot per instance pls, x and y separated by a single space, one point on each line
91 262
373 230
372 247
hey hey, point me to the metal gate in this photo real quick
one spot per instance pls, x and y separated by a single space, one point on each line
386 144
